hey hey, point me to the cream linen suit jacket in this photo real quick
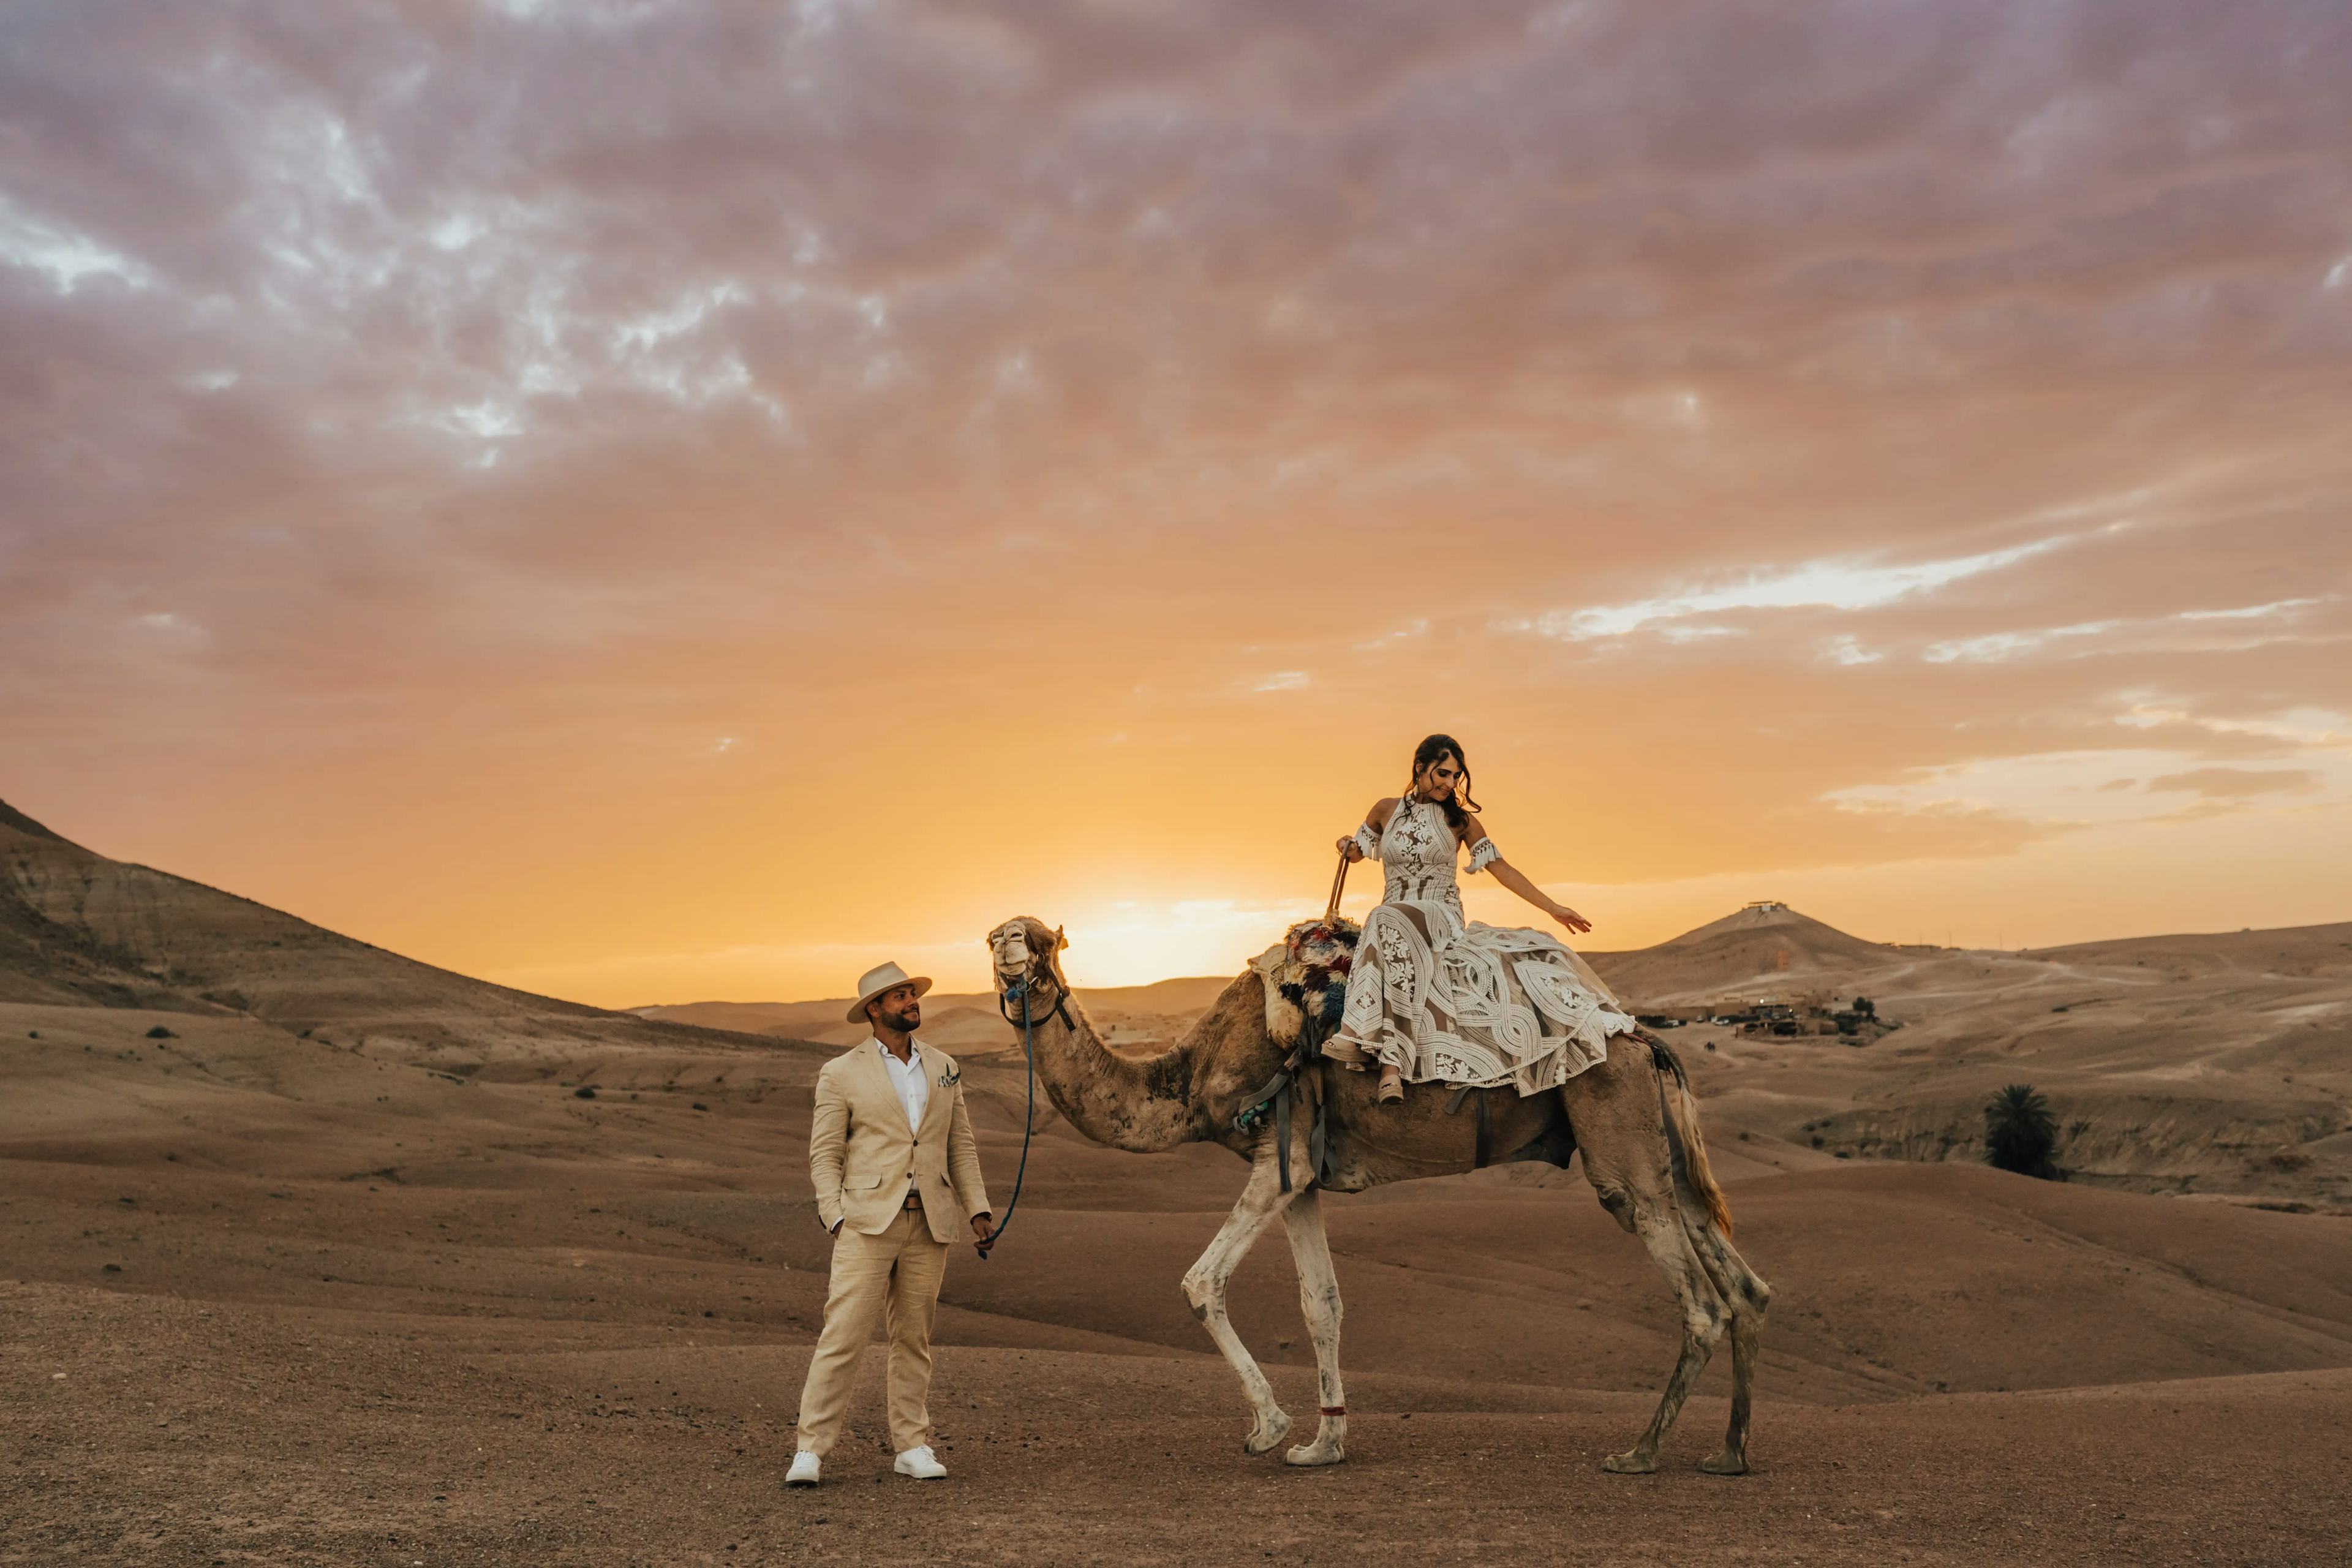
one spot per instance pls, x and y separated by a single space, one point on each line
863 1156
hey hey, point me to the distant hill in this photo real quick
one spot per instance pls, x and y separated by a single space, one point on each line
2292 951
78 928
1761 947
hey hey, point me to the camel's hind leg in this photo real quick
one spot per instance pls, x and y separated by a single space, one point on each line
1705 1320
1318 1299
1747 1298
1204 1288
1706 1224
1620 1135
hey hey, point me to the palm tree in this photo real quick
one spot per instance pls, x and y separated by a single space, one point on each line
2021 1134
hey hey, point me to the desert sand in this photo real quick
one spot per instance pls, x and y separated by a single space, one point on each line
314 1255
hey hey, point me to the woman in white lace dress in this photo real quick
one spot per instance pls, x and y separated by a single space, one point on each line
1436 998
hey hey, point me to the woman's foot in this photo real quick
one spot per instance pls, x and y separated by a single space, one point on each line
1391 1084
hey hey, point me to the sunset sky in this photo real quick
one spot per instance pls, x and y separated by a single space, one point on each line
659 501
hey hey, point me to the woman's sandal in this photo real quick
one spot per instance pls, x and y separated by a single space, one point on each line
1391 1088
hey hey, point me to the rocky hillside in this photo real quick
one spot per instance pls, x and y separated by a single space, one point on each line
78 928
1769 946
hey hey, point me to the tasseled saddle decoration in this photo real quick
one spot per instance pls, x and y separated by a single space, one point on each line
1306 977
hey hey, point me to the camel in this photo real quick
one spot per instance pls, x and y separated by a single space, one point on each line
1633 1115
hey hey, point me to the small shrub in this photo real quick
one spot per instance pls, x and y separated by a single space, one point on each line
2021 1134
161 1033
584 1092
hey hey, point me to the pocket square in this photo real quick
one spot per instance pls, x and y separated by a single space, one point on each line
951 1078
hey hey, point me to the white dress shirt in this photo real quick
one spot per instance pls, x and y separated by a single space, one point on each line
908 1079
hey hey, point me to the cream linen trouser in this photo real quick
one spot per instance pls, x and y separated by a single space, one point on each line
899 1270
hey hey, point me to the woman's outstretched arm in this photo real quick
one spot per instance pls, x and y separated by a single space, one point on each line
1473 834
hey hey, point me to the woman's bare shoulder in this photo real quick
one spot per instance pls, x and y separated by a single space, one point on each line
1379 816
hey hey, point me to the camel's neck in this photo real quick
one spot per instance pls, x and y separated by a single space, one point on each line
1144 1106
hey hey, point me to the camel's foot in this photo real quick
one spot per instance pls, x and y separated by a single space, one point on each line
1322 1451
1267 1434
1632 1463
1726 1463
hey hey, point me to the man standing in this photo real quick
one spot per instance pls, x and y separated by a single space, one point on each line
890 1151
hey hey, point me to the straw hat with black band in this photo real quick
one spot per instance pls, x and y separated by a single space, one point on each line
880 978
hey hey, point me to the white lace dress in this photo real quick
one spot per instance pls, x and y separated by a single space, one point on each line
1446 1000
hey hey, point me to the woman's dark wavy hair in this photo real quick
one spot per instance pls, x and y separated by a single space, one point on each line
1432 750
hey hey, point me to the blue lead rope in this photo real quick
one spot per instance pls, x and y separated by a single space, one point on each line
1029 1119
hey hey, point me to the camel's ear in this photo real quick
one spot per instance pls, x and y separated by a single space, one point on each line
1060 942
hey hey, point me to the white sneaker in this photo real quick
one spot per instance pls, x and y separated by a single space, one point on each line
919 1463
803 1472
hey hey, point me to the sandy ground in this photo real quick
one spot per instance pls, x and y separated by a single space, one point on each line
172 1431
269 1301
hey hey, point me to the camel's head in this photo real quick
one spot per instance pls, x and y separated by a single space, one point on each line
1022 951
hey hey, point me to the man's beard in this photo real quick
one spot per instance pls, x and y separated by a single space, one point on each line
906 1021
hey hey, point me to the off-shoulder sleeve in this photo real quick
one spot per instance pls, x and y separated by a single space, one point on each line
1368 842
1483 853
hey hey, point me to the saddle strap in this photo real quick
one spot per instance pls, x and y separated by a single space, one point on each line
1299 1077
1318 1125
1480 1137
1282 1131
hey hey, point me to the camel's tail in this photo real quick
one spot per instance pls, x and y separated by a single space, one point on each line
1681 1108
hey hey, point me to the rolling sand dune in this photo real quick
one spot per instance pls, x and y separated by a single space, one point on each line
277 1298
2296 951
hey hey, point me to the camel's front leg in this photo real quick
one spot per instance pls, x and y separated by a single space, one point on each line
1204 1288
1318 1299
